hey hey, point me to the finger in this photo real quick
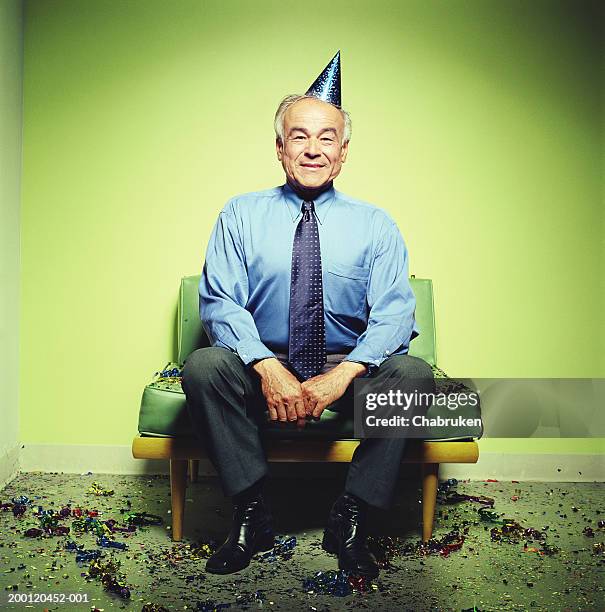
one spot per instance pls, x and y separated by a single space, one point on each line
310 400
301 412
291 411
272 412
319 408
300 423
309 405
281 412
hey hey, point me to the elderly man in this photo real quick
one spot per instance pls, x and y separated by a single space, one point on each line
303 290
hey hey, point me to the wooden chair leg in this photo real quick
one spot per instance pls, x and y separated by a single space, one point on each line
178 486
430 482
194 469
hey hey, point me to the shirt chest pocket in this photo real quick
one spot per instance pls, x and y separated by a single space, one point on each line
346 289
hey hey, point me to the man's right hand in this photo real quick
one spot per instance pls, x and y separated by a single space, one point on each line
282 390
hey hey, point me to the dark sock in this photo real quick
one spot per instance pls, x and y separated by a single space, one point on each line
249 494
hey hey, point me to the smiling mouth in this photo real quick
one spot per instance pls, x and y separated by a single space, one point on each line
312 166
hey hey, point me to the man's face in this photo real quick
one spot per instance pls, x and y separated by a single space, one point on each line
312 152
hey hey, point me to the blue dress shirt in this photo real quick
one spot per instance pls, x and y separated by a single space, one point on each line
245 285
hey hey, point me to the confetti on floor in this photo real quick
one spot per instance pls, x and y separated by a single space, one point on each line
496 546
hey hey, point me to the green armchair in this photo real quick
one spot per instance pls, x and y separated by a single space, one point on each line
165 430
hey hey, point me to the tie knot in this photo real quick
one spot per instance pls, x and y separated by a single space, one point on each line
307 210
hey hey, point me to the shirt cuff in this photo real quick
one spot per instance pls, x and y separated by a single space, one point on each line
364 354
251 349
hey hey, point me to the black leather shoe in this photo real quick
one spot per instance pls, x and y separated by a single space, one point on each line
251 532
345 536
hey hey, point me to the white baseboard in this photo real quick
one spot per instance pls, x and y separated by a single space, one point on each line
9 463
74 459
80 459
529 467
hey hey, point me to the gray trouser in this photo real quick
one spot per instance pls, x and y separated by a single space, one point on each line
227 408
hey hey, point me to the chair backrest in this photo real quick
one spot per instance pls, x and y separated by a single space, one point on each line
191 334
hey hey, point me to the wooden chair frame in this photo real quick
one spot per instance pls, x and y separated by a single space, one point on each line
184 455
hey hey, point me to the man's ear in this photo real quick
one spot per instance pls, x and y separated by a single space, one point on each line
343 152
279 148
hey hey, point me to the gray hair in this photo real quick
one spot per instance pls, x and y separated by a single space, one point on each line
288 101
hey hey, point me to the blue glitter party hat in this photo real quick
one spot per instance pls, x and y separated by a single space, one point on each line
326 86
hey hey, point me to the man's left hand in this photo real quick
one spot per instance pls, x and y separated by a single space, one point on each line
324 389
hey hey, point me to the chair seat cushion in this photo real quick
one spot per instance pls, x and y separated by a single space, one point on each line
163 412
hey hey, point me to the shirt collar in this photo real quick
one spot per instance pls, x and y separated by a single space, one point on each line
322 202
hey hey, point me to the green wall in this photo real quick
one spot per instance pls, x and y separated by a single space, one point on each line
475 124
11 81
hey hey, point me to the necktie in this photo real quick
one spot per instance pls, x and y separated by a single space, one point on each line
307 342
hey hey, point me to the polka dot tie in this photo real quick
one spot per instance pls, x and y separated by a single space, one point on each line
307 343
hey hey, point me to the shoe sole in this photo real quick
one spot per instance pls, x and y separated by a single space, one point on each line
330 545
262 546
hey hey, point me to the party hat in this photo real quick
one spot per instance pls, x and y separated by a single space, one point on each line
326 86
